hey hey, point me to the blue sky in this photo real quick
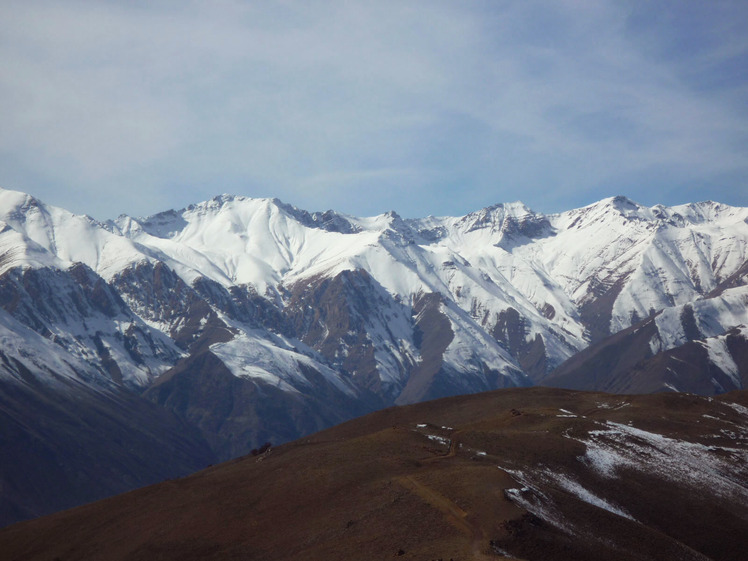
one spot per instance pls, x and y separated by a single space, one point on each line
435 107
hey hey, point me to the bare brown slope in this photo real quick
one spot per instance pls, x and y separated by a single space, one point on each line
473 477
595 367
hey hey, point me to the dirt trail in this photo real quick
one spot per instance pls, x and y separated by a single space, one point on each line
453 513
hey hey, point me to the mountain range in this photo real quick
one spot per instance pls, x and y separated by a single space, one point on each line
138 349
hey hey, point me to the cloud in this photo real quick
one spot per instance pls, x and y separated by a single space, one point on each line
421 107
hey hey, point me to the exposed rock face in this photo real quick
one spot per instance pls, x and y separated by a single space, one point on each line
433 334
511 332
160 296
83 314
737 279
607 363
348 319
596 309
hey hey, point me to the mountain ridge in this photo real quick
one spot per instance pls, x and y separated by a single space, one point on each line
266 247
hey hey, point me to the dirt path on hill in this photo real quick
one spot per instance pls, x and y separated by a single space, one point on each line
453 513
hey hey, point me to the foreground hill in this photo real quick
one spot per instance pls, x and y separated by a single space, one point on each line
520 473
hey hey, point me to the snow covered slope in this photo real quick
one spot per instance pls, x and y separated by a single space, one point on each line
365 312
627 261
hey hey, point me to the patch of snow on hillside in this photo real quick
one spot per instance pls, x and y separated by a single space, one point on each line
533 500
720 356
737 407
44 359
253 355
439 439
619 405
621 446
586 495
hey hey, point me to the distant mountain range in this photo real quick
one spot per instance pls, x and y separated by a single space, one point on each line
195 335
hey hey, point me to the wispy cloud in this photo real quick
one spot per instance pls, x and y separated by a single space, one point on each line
424 107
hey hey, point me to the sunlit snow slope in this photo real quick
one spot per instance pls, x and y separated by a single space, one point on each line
364 312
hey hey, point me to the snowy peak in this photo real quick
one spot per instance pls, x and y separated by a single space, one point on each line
679 216
704 213
239 212
624 205
31 218
506 219
613 210
42 235
163 225
328 220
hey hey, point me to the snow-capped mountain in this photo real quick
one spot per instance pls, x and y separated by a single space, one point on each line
361 312
513 293
252 320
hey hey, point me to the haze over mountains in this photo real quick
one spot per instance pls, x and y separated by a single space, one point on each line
207 331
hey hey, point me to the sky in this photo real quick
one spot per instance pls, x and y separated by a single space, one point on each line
426 108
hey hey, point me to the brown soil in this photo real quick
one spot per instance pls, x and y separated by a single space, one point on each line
384 486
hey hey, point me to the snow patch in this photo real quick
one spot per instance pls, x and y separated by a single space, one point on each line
439 439
720 356
622 446
587 496
737 407
253 355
